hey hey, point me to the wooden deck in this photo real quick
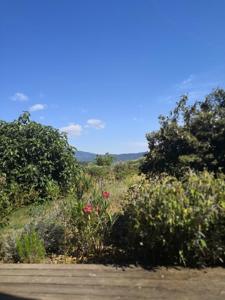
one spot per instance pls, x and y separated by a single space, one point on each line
98 282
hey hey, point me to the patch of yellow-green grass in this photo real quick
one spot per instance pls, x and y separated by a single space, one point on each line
25 215
16 222
117 190
20 217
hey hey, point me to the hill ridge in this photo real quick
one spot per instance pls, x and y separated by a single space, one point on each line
84 156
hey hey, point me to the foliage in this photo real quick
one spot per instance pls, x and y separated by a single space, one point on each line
122 170
87 224
52 234
99 173
191 137
118 171
5 207
104 160
170 221
83 184
8 251
30 247
35 160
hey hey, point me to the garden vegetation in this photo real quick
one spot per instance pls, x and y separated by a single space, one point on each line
167 208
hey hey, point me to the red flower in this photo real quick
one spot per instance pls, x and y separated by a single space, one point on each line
105 195
88 208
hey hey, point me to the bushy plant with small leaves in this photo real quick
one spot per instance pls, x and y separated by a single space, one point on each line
88 223
173 221
30 247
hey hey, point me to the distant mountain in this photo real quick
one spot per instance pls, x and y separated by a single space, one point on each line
83 156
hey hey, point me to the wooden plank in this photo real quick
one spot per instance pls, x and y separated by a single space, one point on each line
183 274
110 268
108 282
70 266
75 273
42 296
92 282
75 292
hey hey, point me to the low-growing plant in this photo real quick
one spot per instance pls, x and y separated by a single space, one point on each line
99 173
5 208
174 222
8 250
53 236
30 247
83 183
123 170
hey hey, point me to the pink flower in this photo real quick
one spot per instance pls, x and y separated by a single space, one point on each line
88 208
105 195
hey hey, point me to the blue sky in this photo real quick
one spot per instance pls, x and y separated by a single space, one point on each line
104 70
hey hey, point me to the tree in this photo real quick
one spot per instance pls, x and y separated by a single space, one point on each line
190 137
37 157
104 160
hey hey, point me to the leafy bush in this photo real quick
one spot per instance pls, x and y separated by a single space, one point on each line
53 236
5 206
37 161
30 248
83 184
98 172
170 221
87 224
190 137
8 251
104 160
122 170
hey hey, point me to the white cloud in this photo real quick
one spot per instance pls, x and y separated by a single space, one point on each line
20 97
186 83
95 123
37 107
72 129
188 80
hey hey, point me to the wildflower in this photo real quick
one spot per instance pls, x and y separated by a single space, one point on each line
88 208
105 195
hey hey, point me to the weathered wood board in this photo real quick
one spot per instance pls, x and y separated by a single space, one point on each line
98 282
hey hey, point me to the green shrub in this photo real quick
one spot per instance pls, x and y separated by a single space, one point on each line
99 172
53 236
8 250
30 248
104 160
191 136
87 224
36 160
174 222
122 170
5 205
83 184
